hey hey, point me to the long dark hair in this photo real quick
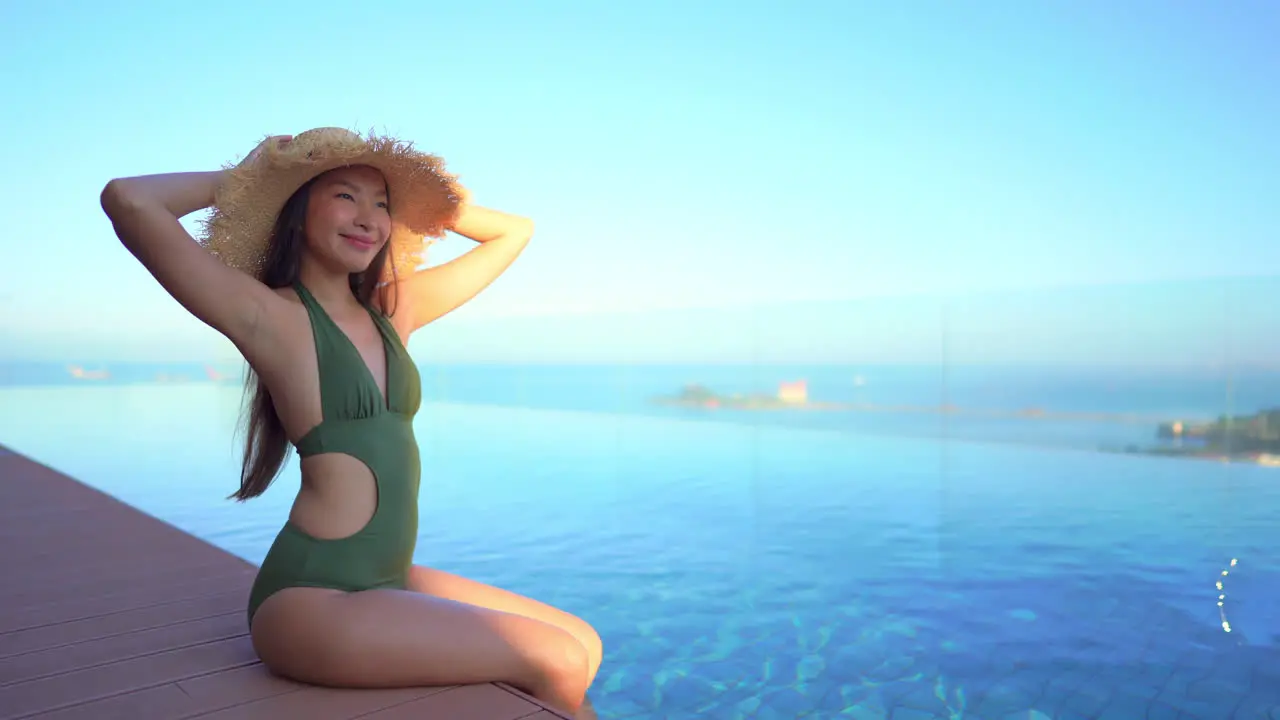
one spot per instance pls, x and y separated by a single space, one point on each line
266 444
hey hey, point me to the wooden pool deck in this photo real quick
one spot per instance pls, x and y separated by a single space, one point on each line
106 612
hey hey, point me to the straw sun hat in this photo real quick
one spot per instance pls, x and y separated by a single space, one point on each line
424 198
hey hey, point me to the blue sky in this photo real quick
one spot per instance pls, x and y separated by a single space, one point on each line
732 155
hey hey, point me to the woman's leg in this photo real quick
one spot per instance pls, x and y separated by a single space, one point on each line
455 587
401 638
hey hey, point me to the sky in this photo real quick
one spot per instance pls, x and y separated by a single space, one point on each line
817 179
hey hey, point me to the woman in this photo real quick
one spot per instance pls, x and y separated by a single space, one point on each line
309 267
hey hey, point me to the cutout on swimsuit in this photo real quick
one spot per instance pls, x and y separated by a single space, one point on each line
359 497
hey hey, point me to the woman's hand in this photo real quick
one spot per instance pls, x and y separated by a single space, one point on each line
464 195
464 205
278 141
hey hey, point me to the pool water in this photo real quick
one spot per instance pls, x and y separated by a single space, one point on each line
764 571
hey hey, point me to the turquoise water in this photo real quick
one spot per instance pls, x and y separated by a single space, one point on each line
771 568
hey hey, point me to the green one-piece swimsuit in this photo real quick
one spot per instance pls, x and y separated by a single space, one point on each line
356 421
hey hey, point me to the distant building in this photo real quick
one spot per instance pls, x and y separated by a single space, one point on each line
793 392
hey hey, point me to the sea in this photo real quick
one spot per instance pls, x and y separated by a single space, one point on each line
898 564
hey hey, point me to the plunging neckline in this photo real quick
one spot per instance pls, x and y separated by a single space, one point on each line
384 396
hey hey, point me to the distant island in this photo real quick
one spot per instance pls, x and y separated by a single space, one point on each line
789 395
794 395
1240 438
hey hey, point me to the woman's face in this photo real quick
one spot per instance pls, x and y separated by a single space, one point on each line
348 217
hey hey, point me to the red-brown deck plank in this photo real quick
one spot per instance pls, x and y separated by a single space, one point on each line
474 702
51 636
85 636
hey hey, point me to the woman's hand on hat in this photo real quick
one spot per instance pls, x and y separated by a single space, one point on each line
464 195
464 202
278 141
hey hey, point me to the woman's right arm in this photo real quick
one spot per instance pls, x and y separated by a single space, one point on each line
144 212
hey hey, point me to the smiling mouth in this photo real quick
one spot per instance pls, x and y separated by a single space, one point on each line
364 243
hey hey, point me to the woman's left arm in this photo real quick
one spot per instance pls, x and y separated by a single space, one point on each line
434 292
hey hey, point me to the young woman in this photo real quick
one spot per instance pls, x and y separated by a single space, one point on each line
309 266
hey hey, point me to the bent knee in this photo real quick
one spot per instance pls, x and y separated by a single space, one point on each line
566 662
590 639
586 635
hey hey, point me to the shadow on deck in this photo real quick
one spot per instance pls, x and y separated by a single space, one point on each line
161 636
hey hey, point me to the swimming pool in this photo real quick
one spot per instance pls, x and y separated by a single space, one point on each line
766 571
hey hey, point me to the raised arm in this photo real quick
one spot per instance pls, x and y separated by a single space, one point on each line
144 212
431 293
